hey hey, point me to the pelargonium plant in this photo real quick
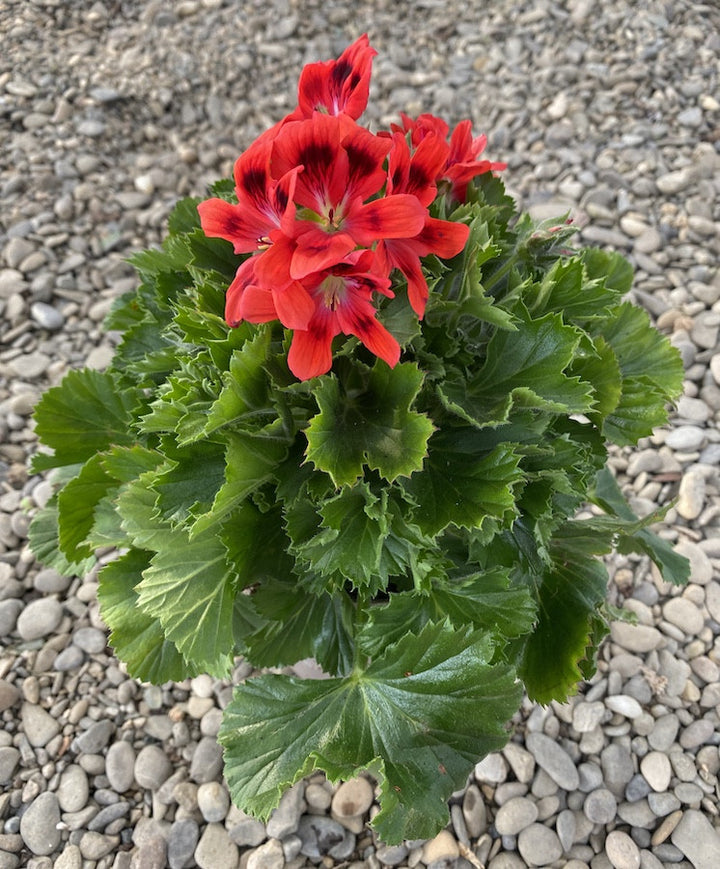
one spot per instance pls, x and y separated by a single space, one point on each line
357 405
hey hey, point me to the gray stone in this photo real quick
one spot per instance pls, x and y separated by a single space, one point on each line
120 766
49 581
39 824
69 659
9 760
39 726
392 855
622 851
216 850
182 841
206 763
9 612
698 841
691 495
213 801
90 640
635 638
656 769
9 695
697 733
71 858
94 846
566 827
514 815
152 767
95 738
39 618
73 789
556 762
286 817
322 836
587 716
600 806
270 855
248 832
352 798
539 845
617 767
46 316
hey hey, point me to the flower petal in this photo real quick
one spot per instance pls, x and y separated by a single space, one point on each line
444 238
401 254
340 85
356 316
311 349
317 250
399 216
294 305
221 219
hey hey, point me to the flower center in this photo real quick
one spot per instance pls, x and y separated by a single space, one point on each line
333 290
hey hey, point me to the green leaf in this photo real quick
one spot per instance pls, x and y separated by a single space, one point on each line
675 568
302 625
184 217
244 400
250 460
597 364
481 600
138 639
419 717
350 538
187 487
522 369
86 414
190 588
570 593
77 501
374 427
566 290
43 536
464 487
608 267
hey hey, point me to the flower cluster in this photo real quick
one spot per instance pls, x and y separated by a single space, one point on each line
327 209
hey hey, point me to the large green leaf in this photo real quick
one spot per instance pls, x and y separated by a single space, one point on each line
522 369
566 290
374 427
570 593
251 459
138 639
86 414
187 488
465 488
482 600
77 501
419 717
350 538
190 588
43 536
608 267
301 625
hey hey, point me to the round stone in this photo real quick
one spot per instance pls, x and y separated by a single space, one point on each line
664 732
491 769
206 763
624 705
514 815
39 726
556 762
182 840
152 767
622 851
655 766
600 806
213 801
9 695
216 850
49 581
39 824
352 798
683 613
587 716
90 640
73 789
697 733
270 855
443 847
635 638
539 845
120 766
94 846
322 837
39 618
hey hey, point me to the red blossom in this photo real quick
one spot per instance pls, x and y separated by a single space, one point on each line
339 86
343 304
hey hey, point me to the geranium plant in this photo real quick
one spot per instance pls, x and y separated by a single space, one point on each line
357 404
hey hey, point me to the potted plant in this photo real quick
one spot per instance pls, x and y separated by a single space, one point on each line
356 407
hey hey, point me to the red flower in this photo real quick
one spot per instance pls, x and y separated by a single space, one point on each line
462 163
415 174
342 167
343 304
337 86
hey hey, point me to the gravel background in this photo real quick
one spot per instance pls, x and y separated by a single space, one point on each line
111 110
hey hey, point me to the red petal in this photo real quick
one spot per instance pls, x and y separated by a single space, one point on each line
402 255
444 238
398 216
317 250
220 219
311 349
366 156
340 85
356 316
273 265
313 144
244 276
256 305
294 305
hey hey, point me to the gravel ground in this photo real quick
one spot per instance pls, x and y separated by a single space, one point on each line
111 110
